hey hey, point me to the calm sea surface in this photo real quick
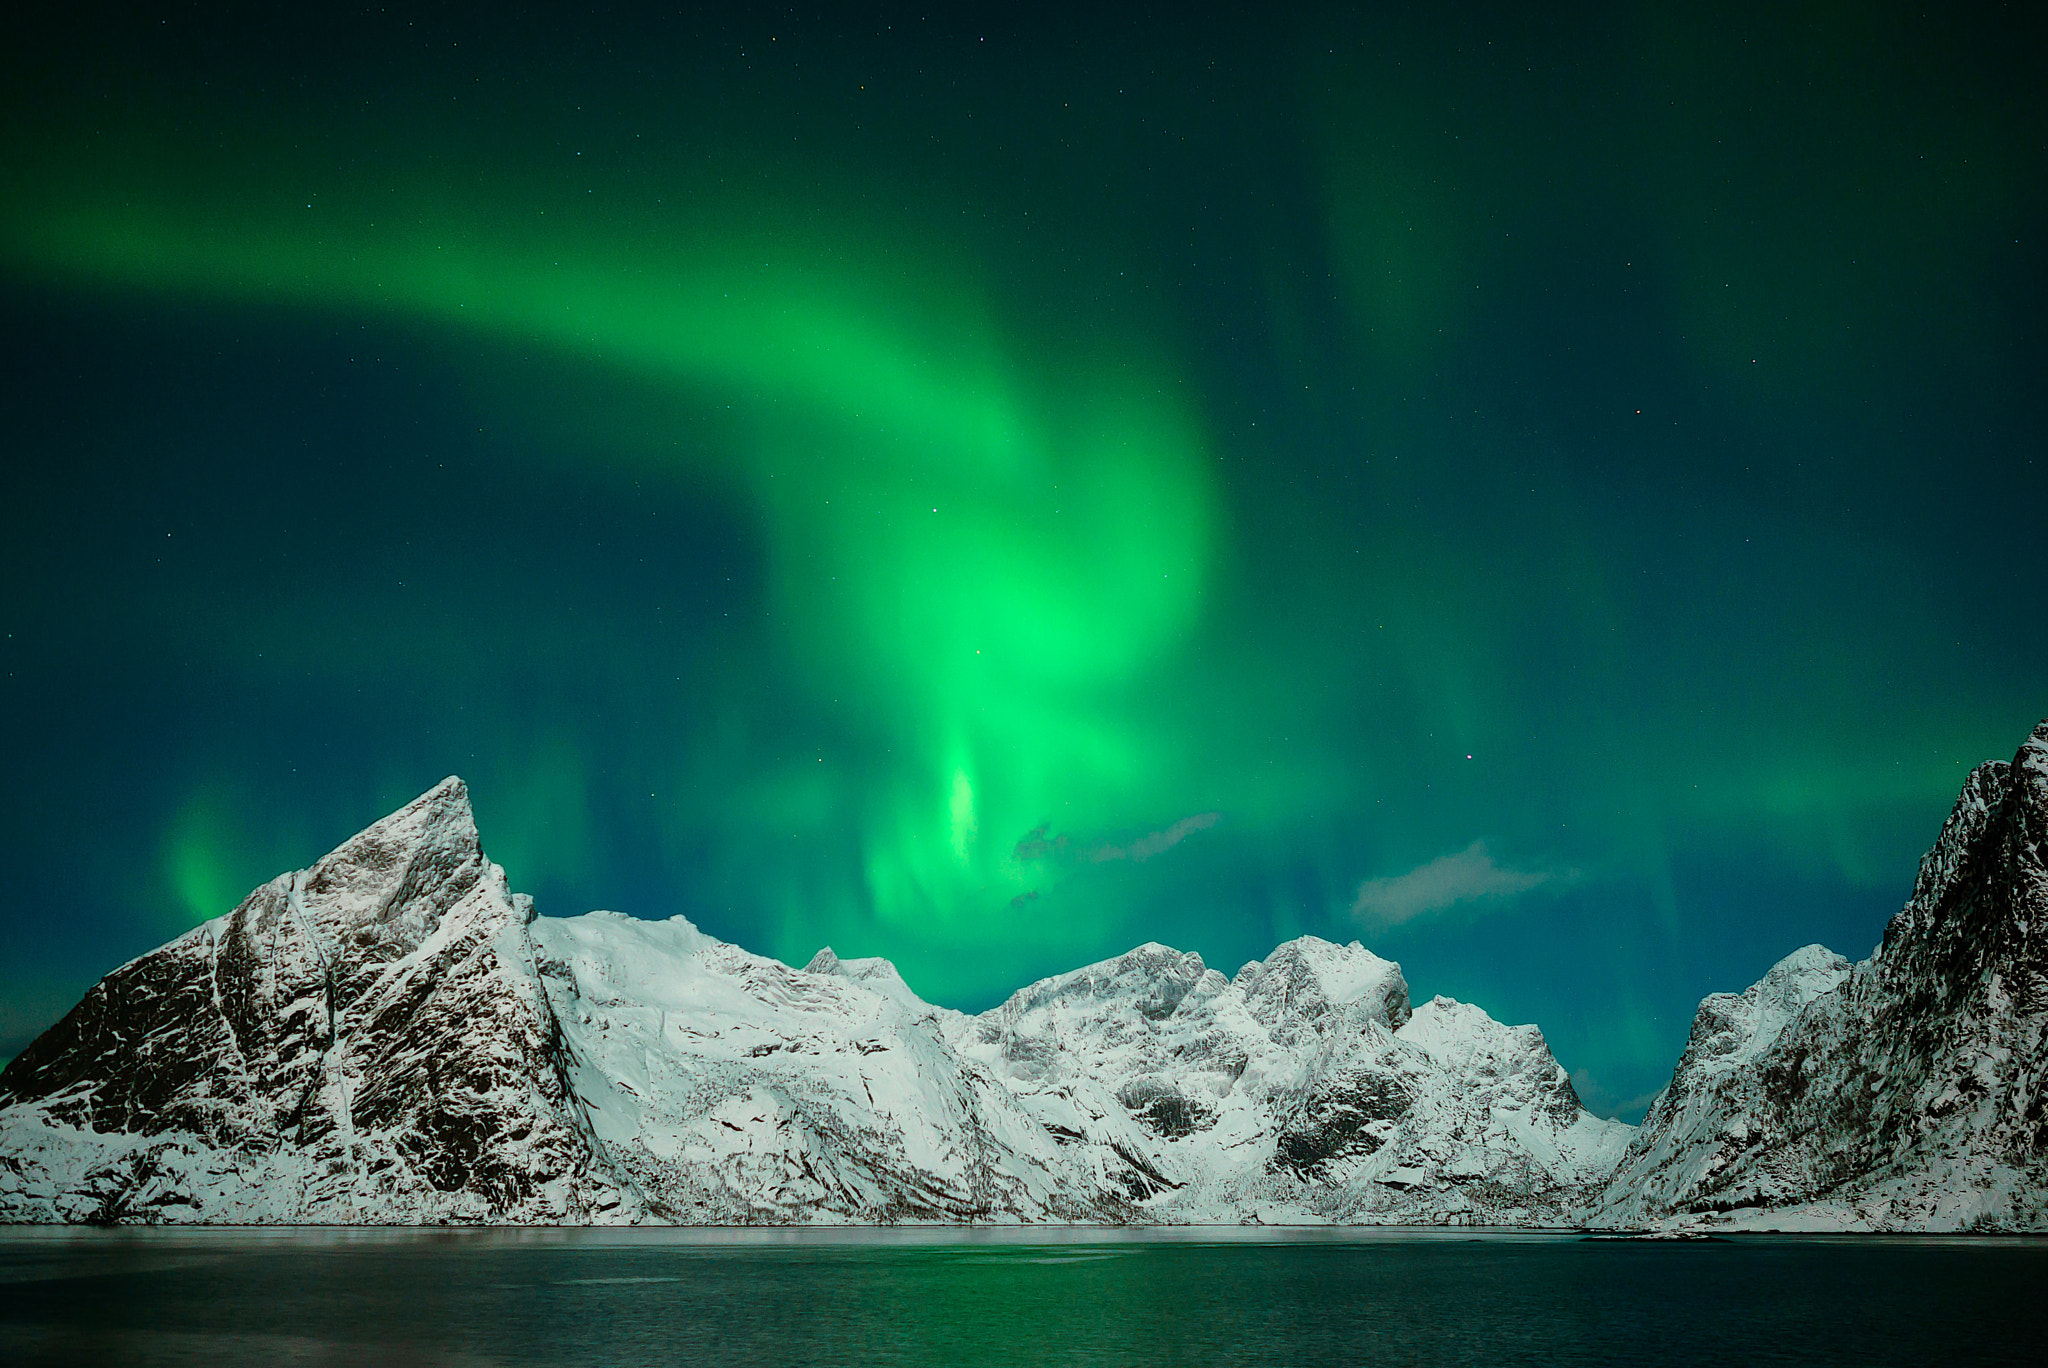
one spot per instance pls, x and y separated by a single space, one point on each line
1030 1297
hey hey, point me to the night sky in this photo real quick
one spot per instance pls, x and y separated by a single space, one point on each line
1554 494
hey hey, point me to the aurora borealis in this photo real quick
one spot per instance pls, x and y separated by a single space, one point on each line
1554 498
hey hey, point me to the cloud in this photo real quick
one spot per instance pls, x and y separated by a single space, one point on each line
1039 844
1468 876
1158 842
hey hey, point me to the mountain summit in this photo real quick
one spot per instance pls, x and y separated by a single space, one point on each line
365 1039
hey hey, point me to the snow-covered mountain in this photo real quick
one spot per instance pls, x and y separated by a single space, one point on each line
392 1036
726 1088
1302 1089
363 1040
1902 1093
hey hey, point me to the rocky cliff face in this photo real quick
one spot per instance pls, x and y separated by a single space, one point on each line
1902 1093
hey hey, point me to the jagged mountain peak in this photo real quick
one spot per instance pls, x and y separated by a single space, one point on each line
1760 1012
1730 1030
1982 888
1308 977
1457 1032
390 1035
439 818
1998 828
1153 978
1465 1038
2031 763
871 971
362 1036
410 867
1807 959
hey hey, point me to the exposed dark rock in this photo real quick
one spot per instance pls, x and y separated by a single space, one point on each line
1163 1110
1336 1121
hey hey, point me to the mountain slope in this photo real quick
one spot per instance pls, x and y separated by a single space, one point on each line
391 1036
1902 1093
734 1089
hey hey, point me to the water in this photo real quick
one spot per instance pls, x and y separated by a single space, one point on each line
1088 1297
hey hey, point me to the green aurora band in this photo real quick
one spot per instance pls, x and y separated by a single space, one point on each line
993 545
1070 610
989 553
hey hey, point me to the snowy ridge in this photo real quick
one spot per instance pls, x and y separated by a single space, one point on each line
734 1089
1707 1116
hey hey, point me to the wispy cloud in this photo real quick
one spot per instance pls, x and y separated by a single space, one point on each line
1468 876
1157 842
1039 844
